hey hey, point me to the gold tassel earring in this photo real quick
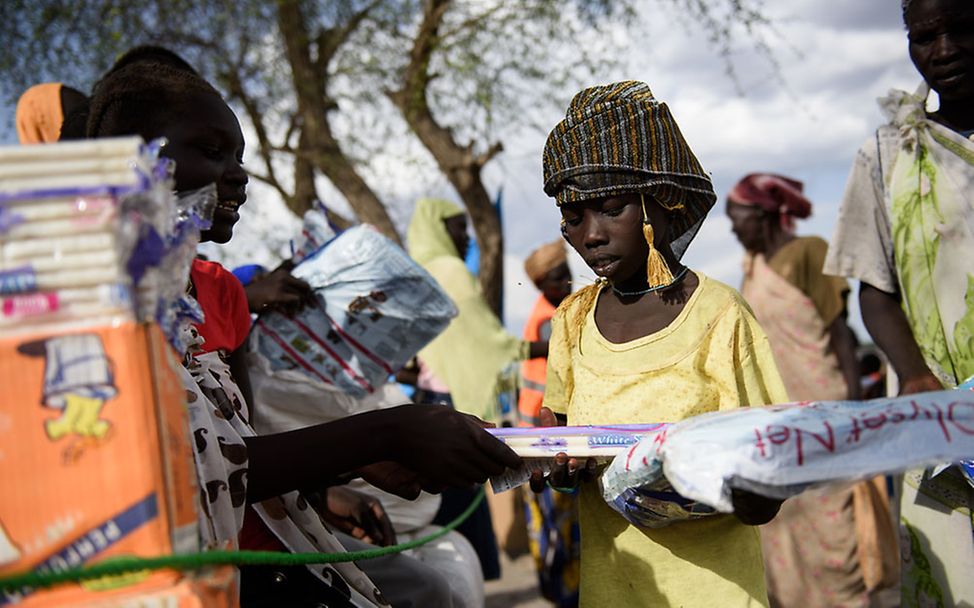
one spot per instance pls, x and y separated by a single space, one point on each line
657 272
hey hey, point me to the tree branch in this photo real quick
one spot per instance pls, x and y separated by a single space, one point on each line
264 146
482 159
331 39
456 161
271 181
310 87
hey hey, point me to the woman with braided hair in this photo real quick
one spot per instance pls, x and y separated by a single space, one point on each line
651 341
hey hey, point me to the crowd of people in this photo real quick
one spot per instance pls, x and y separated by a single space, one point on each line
650 341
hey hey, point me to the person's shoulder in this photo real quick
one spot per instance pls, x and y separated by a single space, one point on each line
811 241
215 274
208 268
718 300
572 303
716 291
810 246
453 276
448 265
879 146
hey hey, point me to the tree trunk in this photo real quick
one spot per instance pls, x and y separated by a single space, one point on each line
461 166
323 151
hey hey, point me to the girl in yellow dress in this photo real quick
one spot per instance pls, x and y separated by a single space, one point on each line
650 341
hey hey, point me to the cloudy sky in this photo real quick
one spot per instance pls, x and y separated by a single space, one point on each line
805 121
836 59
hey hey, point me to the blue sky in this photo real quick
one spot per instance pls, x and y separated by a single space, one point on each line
806 122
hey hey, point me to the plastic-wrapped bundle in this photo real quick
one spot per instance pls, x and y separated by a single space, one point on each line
376 309
780 451
91 233
63 234
537 446
316 232
602 441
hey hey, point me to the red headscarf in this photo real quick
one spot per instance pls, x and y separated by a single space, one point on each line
775 194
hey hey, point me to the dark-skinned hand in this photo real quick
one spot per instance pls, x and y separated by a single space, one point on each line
393 478
566 473
359 515
920 384
445 447
753 509
279 291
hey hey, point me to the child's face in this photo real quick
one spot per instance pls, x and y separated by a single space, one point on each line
208 146
556 284
608 234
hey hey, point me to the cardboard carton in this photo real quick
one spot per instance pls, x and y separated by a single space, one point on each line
95 461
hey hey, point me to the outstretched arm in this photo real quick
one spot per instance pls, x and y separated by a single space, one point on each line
442 446
887 324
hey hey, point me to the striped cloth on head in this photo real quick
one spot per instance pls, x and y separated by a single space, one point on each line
618 139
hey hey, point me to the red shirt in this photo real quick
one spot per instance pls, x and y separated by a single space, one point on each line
226 321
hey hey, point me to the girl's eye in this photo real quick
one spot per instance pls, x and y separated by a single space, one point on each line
210 151
612 211
572 221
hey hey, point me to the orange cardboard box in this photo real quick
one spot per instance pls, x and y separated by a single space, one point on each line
216 588
95 458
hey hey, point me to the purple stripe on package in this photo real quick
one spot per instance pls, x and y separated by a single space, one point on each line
18 280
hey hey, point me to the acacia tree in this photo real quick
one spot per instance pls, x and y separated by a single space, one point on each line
452 73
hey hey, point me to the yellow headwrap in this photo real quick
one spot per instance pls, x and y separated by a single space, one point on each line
474 348
427 237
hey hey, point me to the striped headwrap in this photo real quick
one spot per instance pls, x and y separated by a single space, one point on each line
618 139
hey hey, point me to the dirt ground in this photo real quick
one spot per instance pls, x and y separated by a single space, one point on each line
517 587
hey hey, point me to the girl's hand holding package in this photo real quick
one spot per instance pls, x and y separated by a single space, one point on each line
566 473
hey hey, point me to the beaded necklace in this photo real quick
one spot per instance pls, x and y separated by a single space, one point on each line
679 276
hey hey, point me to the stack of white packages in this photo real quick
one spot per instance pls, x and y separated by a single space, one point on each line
89 234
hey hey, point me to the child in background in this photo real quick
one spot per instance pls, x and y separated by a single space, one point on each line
240 471
552 517
650 341
547 267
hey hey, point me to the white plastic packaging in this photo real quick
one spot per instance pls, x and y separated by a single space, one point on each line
376 308
779 451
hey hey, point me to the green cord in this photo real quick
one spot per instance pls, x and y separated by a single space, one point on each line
194 561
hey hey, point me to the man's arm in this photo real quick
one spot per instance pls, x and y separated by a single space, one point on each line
843 344
887 324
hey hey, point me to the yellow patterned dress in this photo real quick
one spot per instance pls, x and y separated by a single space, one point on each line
712 357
